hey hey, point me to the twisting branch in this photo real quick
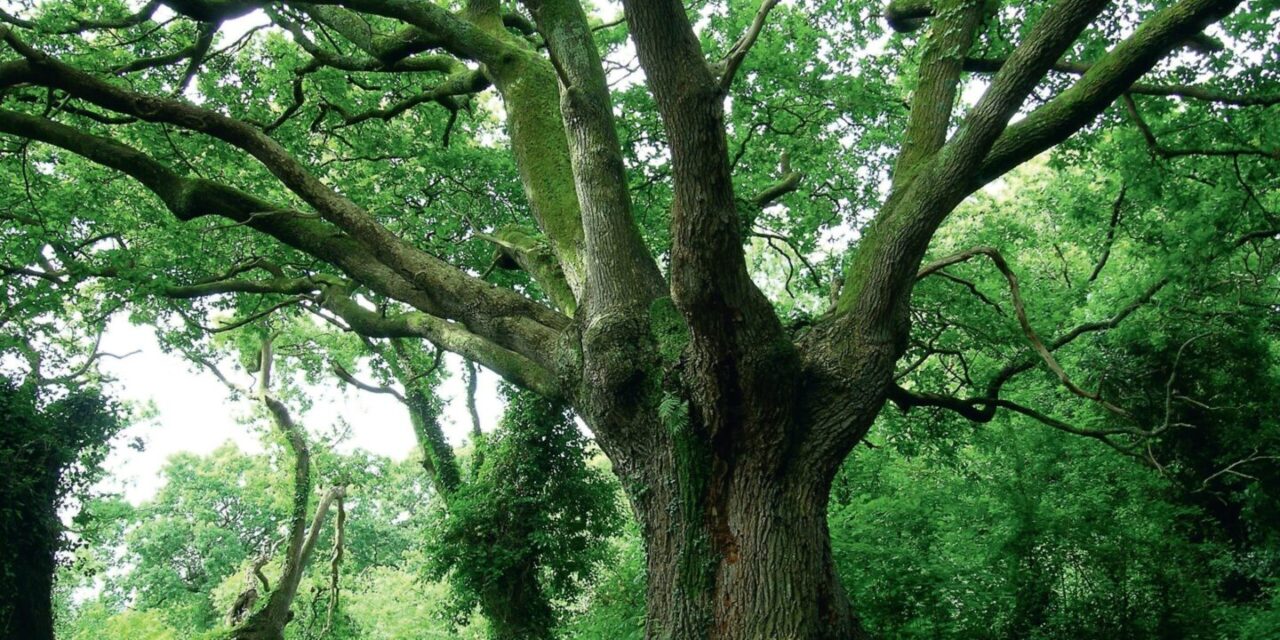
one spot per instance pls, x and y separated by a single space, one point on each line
200 50
271 619
973 289
1021 313
982 409
335 563
196 53
94 356
80 26
463 83
908 15
240 322
771 237
1168 386
1232 469
347 377
482 308
788 183
472 381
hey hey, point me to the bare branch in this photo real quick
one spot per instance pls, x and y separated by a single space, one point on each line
1169 152
1116 209
1231 469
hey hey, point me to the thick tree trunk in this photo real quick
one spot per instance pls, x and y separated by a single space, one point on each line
729 475
29 615
752 562
28 553
520 610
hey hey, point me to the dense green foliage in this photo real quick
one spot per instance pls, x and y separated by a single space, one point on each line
171 567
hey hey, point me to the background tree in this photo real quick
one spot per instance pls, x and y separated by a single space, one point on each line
522 526
527 532
719 417
181 558
53 450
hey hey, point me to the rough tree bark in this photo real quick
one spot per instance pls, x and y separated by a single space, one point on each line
725 429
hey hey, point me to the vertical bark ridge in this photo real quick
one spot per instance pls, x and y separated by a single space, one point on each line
621 272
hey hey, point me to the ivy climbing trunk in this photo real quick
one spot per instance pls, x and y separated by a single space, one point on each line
29 563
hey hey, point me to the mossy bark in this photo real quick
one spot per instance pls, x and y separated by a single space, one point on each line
735 527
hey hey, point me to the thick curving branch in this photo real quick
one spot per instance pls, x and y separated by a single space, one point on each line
1051 37
334 295
908 15
982 409
874 300
621 272
524 78
1104 82
188 198
933 101
80 26
449 289
738 52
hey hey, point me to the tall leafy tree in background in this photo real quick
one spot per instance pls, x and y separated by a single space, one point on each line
725 411
528 531
522 527
181 559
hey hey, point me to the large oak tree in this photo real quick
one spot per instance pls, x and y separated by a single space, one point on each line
636 305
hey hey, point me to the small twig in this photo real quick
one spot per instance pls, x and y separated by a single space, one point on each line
257 316
1231 469
1116 209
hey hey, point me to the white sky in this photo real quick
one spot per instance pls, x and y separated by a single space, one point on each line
195 414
